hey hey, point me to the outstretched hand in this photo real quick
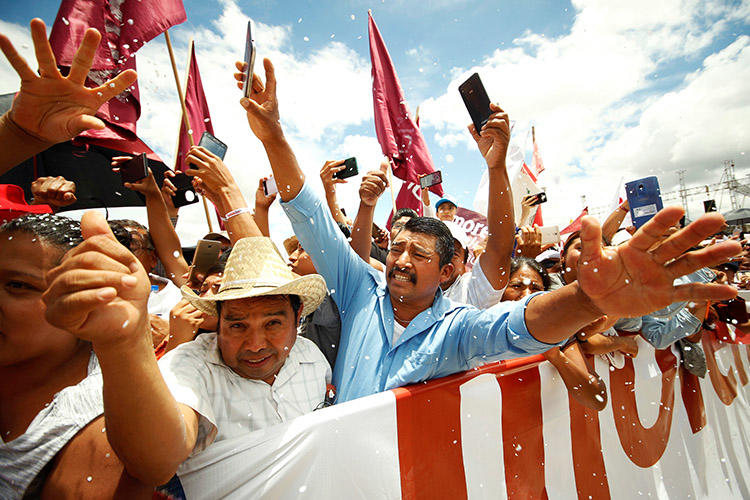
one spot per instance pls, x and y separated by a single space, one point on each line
54 108
262 107
493 143
100 291
636 278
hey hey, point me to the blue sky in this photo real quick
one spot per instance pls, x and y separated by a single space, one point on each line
615 92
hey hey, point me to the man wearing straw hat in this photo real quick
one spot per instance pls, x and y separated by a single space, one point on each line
253 373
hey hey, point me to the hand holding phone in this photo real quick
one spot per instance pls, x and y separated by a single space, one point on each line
206 255
135 169
214 145
350 169
535 199
184 192
269 186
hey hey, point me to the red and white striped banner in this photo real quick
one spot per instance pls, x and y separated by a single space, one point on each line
507 430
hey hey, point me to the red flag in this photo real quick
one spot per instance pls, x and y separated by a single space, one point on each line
398 135
576 224
125 26
197 110
538 216
537 160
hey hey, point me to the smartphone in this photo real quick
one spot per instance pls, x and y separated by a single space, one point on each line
135 169
476 100
269 186
205 256
210 142
350 169
537 198
185 194
644 197
430 180
550 234
249 61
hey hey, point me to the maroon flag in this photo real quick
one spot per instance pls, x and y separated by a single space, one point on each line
398 135
576 224
197 110
125 26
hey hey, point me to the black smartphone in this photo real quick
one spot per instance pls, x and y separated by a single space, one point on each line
185 194
269 186
249 61
476 100
210 142
537 198
430 180
350 169
135 169
205 256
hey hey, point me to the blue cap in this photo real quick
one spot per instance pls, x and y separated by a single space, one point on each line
446 199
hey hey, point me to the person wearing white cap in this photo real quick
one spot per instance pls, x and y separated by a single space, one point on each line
253 373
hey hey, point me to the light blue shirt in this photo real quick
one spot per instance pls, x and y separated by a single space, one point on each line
444 339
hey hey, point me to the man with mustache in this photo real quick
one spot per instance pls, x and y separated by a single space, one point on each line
401 330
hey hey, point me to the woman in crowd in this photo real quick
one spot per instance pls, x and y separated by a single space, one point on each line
52 396
527 276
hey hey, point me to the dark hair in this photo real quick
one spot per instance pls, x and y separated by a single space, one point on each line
121 234
135 227
404 212
344 229
519 262
61 232
436 228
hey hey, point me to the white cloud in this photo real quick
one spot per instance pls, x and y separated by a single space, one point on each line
595 99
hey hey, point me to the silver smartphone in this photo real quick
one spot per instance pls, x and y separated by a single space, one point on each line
249 61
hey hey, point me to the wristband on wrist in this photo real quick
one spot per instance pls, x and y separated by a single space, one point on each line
236 211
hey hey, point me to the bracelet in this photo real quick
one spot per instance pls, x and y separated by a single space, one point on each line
236 211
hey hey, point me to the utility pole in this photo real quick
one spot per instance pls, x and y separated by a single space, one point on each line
683 193
731 183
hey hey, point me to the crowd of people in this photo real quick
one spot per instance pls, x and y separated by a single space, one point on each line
121 362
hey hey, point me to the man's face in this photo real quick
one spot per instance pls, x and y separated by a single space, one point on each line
300 262
25 334
397 226
412 267
446 211
459 267
256 335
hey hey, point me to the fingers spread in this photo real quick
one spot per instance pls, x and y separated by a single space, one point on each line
14 58
591 239
116 85
84 56
703 291
705 257
44 55
688 237
652 231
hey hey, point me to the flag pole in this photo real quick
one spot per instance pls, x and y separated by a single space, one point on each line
390 183
184 85
185 116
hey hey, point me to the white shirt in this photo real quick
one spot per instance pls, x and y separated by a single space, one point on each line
230 405
474 289
162 301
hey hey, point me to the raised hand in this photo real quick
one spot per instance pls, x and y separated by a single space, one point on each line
212 172
146 186
99 292
493 143
327 178
262 107
373 185
529 242
56 192
54 108
261 200
636 278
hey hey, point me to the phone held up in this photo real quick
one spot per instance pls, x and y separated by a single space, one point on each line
644 197
476 100
269 186
536 199
135 169
185 194
350 169
206 255
430 180
247 86
210 142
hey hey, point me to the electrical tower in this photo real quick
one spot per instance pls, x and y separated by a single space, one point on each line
683 192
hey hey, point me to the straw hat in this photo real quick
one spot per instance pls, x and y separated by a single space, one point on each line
254 269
